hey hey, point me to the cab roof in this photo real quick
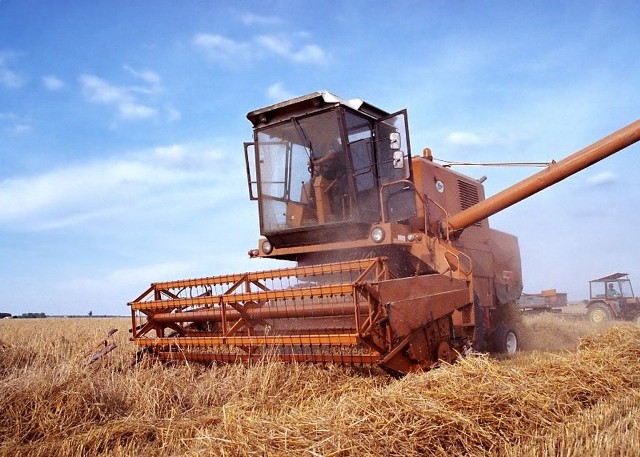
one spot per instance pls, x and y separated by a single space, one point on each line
308 103
611 277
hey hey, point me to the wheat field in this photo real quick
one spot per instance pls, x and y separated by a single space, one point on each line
573 391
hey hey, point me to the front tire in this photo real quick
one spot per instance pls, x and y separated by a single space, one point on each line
505 340
598 313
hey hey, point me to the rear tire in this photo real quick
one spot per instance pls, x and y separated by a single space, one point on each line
598 313
505 340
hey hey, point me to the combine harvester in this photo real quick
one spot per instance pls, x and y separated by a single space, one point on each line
396 263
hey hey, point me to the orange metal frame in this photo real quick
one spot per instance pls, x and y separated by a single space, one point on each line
248 316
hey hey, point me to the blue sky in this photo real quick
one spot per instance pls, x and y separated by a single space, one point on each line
121 128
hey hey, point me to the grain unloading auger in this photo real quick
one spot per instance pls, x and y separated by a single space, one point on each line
396 263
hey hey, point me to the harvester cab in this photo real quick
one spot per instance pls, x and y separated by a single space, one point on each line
396 265
324 169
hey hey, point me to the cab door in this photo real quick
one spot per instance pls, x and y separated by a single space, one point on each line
394 171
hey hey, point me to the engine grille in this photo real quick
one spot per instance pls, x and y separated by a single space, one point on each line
468 196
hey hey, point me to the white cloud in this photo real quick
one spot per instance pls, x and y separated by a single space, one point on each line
171 114
173 153
467 139
18 129
111 290
283 47
52 83
277 92
126 98
277 45
132 111
9 78
220 48
14 125
601 179
103 190
223 49
474 140
253 19
183 156
310 54
159 272
150 78
97 90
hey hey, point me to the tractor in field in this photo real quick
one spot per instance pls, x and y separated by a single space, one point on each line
612 297
395 262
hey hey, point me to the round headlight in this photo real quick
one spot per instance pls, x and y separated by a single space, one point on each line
377 234
411 237
267 248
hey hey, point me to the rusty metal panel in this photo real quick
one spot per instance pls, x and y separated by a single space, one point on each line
507 271
414 302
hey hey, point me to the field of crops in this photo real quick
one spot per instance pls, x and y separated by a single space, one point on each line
573 391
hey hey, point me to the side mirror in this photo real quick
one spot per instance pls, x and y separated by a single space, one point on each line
394 140
395 143
398 159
